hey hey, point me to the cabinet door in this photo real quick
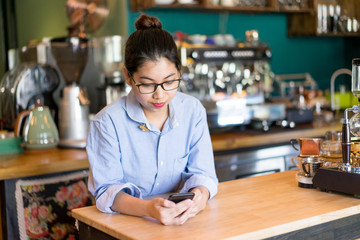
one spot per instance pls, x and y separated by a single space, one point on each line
253 162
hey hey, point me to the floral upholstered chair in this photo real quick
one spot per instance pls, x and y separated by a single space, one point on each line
44 205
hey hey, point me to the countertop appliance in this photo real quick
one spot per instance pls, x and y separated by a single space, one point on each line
307 167
24 84
308 161
231 82
109 58
344 176
71 55
293 88
40 131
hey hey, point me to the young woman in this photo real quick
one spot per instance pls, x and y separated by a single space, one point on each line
153 141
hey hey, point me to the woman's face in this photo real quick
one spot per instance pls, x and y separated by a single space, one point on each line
159 71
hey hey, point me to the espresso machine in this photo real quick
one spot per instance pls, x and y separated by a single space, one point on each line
71 55
345 176
29 79
108 55
232 82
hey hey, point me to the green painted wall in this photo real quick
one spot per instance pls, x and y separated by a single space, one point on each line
317 55
47 18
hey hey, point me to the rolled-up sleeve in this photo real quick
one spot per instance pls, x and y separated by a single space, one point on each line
106 177
200 170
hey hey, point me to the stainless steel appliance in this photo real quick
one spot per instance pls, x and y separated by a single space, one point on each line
71 55
344 176
231 82
109 58
249 162
29 81
308 166
293 88
308 161
36 76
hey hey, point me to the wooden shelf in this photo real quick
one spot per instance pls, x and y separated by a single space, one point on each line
240 9
301 22
205 5
339 34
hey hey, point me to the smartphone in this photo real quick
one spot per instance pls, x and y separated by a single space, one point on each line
178 197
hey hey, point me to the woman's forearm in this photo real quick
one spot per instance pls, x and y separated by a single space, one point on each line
167 212
127 204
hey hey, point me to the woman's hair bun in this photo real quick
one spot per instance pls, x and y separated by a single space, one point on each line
145 22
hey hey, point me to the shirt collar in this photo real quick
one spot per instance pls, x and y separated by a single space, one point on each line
134 110
136 113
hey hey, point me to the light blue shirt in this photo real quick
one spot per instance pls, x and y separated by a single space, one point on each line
125 157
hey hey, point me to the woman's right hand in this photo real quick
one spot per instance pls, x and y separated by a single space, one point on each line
169 213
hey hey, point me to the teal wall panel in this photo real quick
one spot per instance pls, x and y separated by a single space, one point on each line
319 56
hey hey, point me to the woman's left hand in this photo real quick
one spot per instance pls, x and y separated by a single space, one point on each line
200 200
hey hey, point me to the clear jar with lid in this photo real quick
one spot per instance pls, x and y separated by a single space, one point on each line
331 147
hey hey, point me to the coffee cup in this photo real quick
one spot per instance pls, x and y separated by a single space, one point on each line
308 165
311 165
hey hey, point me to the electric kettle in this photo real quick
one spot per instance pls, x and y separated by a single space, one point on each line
39 130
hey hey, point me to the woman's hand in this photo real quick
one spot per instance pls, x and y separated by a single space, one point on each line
177 214
200 200
169 213
166 211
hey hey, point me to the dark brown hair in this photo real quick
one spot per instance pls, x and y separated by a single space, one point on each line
149 42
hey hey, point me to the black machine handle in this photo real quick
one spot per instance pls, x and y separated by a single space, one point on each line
293 142
346 142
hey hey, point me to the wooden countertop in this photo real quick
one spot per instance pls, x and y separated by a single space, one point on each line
253 138
31 163
250 208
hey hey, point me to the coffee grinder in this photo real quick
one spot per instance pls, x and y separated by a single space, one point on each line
71 55
344 177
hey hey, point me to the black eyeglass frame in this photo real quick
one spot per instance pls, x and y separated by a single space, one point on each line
138 85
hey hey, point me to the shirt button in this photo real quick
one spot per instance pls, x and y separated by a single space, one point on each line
161 163
157 184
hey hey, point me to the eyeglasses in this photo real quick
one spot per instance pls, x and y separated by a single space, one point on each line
147 88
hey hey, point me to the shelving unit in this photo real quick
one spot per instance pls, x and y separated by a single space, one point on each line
307 24
301 22
272 6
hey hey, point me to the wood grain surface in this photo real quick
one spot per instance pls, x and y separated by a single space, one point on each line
32 163
251 208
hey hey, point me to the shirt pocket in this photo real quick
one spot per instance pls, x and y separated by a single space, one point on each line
179 167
